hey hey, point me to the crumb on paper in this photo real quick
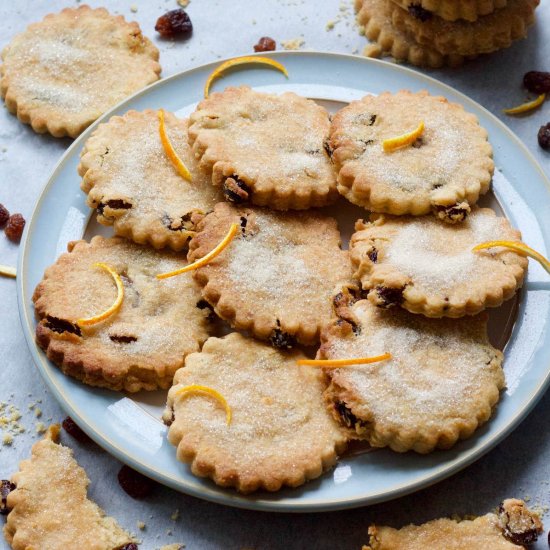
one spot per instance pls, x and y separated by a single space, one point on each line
175 515
361 31
175 546
141 525
293 44
183 3
7 439
37 412
40 427
133 8
330 25
372 50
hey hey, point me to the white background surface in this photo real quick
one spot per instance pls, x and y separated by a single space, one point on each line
520 466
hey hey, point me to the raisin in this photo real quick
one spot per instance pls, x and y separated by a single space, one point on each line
418 12
348 418
61 325
70 426
265 44
544 137
14 227
168 422
244 221
328 148
518 524
129 546
184 223
122 339
4 215
6 487
453 213
134 483
388 297
236 190
203 304
537 82
281 340
372 254
174 24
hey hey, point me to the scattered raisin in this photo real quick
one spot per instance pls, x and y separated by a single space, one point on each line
61 325
544 137
265 44
235 190
14 227
6 487
418 12
174 24
134 483
388 297
537 82
70 426
4 215
281 340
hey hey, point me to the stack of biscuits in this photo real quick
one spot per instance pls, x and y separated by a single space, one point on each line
436 33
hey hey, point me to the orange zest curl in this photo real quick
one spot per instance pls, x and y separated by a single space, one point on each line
196 389
116 304
247 59
526 107
403 140
516 247
170 151
206 258
337 363
8 271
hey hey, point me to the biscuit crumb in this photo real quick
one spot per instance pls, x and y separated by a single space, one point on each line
40 427
330 25
37 412
7 439
175 546
372 50
141 525
293 44
133 8
175 515
183 3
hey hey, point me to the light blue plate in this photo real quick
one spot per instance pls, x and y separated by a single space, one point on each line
129 428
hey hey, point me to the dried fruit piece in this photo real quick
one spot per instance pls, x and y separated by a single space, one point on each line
537 82
281 340
526 107
522 248
265 44
134 483
8 271
74 430
196 389
544 137
247 59
170 151
174 24
14 227
116 304
206 258
403 140
337 363
6 487
4 215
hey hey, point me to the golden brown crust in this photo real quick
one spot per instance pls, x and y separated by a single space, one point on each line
280 433
428 267
277 277
449 166
265 149
50 508
133 185
145 342
451 10
62 73
440 384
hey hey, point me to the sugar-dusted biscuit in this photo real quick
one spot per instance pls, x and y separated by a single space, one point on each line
134 186
64 72
265 149
141 345
441 383
429 267
280 432
444 171
451 10
277 277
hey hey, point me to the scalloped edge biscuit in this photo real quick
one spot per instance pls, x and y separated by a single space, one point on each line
60 122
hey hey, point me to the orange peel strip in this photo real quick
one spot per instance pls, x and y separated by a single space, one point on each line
517 247
526 107
245 60
8 271
170 151
196 389
337 363
403 140
116 304
206 258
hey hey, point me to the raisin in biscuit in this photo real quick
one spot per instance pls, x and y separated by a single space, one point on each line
444 171
441 383
450 10
487 34
265 149
64 72
375 17
139 347
50 508
134 186
277 277
280 431
428 267
513 527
